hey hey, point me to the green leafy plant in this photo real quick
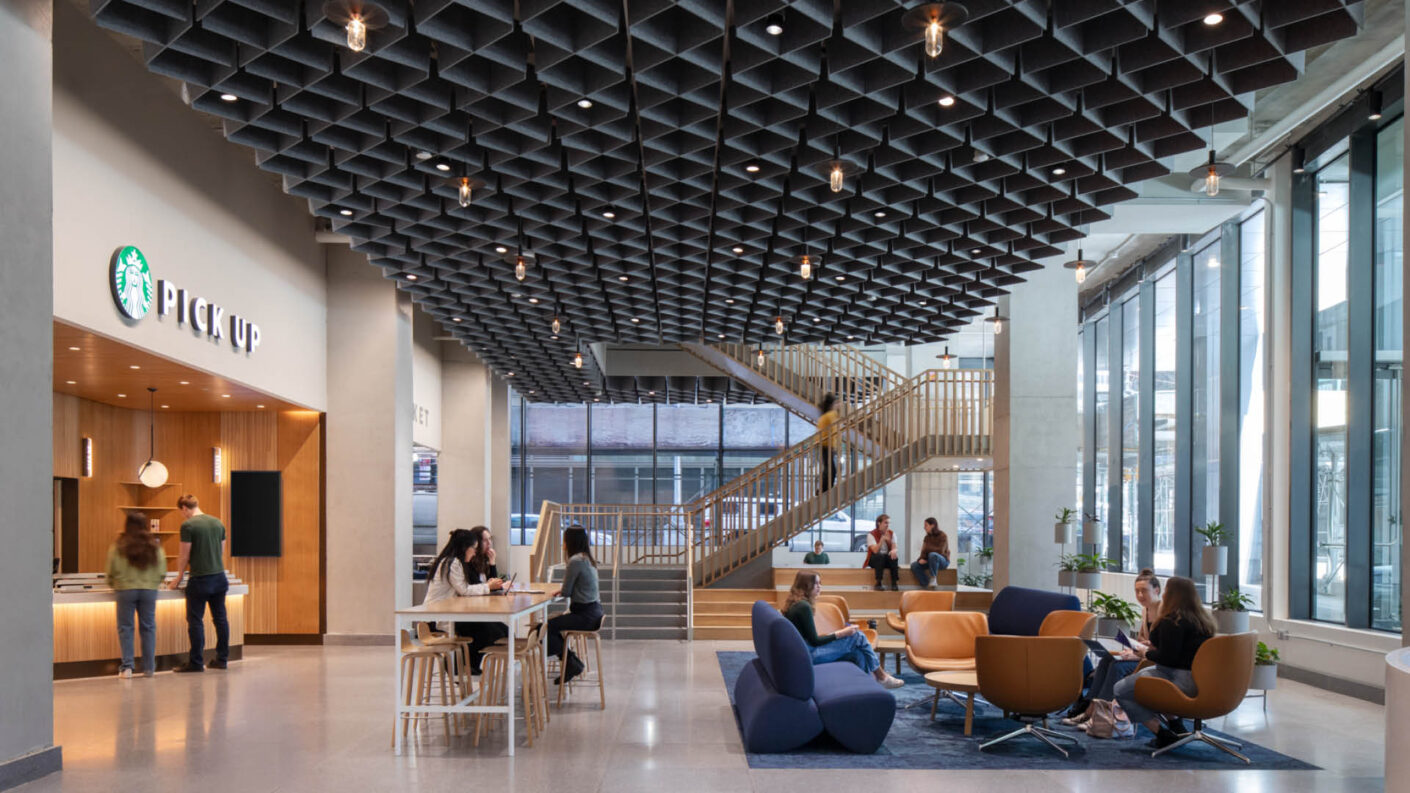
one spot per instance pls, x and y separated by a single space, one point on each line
1113 607
1092 562
984 581
1065 515
1087 516
1265 655
1233 600
1069 563
1213 532
986 553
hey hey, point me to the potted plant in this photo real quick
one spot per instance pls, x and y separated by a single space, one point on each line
1091 529
1265 668
1113 613
1062 528
986 557
1231 611
1067 570
1089 570
1215 557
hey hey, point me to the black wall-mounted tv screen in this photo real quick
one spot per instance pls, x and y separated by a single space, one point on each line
256 513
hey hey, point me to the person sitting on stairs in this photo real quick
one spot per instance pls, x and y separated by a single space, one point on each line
881 552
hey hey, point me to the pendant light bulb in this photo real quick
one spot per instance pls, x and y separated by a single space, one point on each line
834 179
998 323
557 326
759 360
1081 273
934 38
577 360
520 269
947 361
357 33
778 325
464 191
1211 181
152 473
805 267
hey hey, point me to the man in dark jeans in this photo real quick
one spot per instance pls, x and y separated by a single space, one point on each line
203 549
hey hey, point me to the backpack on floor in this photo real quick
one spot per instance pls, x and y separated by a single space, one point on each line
1109 721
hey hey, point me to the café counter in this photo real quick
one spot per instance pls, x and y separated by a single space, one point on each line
85 627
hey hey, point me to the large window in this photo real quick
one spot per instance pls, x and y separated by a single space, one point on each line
1205 381
1252 263
1163 555
1330 375
1386 373
1102 442
1130 396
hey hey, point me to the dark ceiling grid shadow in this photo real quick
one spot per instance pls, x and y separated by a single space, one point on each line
683 94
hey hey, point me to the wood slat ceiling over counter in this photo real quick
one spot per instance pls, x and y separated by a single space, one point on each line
104 370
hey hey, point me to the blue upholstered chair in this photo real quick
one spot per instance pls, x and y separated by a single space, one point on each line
784 701
1018 611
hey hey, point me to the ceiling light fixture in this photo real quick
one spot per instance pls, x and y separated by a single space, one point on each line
464 191
975 251
133 366
585 103
71 382
752 167
229 98
834 178
347 213
356 17
1059 171
411 276
443 166
759 359
729 301
636 320
805 267
577 360
1211 172
934 19
557 326
533 301
455 319
622 278
500 249
74 349
737 249
946 101
996 322
1299 160
521 269
1213 19
186 382
840 277
778 325
424 155
947 361
1079 266
878 214
1374 110
774 25
609 214
122 396
152 473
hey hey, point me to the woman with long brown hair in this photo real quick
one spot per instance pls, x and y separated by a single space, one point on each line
1112 669
844 644
136 567
1183 625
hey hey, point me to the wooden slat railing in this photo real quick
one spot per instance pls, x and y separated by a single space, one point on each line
810 370
936 413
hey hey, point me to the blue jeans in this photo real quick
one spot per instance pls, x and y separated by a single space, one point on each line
1109 672
1126 690
930 568
202 591
143 603
854 648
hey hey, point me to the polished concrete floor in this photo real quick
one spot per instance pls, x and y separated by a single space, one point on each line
318 719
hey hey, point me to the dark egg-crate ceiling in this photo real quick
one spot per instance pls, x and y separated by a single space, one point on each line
663 166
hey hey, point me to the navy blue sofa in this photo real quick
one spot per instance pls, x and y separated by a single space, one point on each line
784 701
1018 611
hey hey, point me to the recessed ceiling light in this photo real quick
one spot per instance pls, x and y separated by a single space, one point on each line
1213 19
752 167
122 396
721 335
73 349
164 407
224 396
586 383
455 319
1059 171
500 249
622 278
71 382
609 214
737 249
947 101
186 382
817 319
509 374
774 25
229 98
534 300
585 103
595 399
443 166
261 407
423 155
975 251
411 276
729 301
133 366
651 393
635 319
923 302
532 391
980 156
841 277
347 213
878 214
555 338
849 338
518 294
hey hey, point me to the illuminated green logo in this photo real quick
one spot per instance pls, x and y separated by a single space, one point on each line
131 282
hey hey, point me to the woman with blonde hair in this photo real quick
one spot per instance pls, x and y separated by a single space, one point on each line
844 644
1183 625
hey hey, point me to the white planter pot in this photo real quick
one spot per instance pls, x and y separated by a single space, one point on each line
1265 677
1107 627
1214 560
1067 578
1063 534
1091 532
1231 621
1089 580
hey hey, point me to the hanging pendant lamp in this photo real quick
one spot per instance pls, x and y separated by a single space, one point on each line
152 473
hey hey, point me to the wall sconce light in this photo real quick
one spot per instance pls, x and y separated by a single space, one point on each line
87 458
216 467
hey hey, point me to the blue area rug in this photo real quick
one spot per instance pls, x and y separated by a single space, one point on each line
917 742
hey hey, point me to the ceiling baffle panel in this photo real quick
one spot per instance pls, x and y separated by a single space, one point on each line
677 206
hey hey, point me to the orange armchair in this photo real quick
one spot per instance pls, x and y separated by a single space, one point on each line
841 604
1030 677
1221 670
917 600
1081 624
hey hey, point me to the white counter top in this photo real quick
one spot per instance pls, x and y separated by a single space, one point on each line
106 595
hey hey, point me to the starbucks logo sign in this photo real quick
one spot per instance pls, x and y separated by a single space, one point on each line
131 281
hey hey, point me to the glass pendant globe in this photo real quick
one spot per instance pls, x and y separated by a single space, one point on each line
152 474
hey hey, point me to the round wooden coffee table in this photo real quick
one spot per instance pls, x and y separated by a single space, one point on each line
965 682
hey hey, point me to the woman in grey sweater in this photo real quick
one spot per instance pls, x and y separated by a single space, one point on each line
584 608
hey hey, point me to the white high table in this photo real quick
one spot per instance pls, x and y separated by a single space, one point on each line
508 609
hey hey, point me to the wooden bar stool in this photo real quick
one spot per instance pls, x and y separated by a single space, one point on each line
528 655
460 647
419 665
577 642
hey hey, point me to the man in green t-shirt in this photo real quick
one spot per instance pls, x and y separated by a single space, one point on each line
203 550
817 555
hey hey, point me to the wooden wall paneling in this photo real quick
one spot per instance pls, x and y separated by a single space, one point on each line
88 631
115 459
68 458
300 453
249 443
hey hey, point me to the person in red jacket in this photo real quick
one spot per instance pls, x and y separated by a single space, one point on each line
881 552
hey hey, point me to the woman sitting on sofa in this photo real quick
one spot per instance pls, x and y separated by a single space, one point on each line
844 644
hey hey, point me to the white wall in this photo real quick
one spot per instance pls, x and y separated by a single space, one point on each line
425 381
133 165
26 359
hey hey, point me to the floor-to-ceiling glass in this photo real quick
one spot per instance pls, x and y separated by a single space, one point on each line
1205 383
1163 475
621 454
1252 265
1389 362
1081 424
1101 442
1130 429
1330 372
687 451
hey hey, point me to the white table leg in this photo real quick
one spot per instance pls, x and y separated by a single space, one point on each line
511 676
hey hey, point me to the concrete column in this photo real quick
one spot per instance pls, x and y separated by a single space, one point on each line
1035 425
933 494
474 461
27 748
368 450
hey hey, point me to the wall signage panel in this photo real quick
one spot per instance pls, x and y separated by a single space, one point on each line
131 280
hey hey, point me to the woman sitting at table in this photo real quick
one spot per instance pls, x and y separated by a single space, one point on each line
1112 668
844 644
584 608
465 568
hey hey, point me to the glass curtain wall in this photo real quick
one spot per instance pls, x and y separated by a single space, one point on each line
1130 430
1388 365
1330 375
1204 401
1163 475
1102 442
621 454
1252 263
1081 432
